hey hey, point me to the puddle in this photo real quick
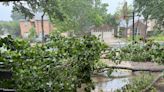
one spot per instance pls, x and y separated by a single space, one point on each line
111 85
119 79
106 84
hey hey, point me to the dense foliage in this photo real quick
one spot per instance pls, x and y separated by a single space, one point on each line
139 83
11 28
16 16
80 15
76 15
32 34
60 65
64 64
139 52
151 9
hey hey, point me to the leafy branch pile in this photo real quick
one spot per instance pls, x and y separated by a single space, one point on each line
149 51
60 65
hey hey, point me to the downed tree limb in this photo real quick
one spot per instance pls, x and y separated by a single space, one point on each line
130 68
7 90
153 82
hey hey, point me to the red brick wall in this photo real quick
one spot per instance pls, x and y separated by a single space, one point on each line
25 26
47 27
140 26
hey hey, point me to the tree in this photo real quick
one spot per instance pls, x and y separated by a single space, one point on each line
53 67
32 34
11 28
151 9
66 15
81 14
29 7
114 21
125 12
16 16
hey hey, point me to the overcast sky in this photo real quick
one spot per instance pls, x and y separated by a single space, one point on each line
5 11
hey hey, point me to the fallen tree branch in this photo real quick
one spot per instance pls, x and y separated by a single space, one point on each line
130 68
7 90
153 82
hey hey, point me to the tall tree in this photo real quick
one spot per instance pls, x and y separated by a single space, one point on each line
81 14
67 15
16 16
114 21
151 9
124 12
29 7
127 14
11 28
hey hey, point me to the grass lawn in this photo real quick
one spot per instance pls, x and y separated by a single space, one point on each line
157 38
137 38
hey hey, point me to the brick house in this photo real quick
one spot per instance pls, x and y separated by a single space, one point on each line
25 27
139 29
139 26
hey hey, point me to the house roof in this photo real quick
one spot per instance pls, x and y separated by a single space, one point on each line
105 26
123 22
37 16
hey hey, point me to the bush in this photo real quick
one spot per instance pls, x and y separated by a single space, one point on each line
60 65
149 51
11 28
137 84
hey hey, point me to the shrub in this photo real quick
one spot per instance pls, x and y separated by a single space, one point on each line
149 51
60 65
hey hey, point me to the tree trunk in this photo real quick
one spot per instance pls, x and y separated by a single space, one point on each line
133 32
115 31
102 34
126 33
130 68
42 26
146 28
145 33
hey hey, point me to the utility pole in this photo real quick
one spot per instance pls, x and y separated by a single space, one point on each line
42 26
125 13
133 21
133 34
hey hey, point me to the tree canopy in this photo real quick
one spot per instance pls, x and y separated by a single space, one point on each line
11 28
151 9
16 16
71 15
112 19
81 14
